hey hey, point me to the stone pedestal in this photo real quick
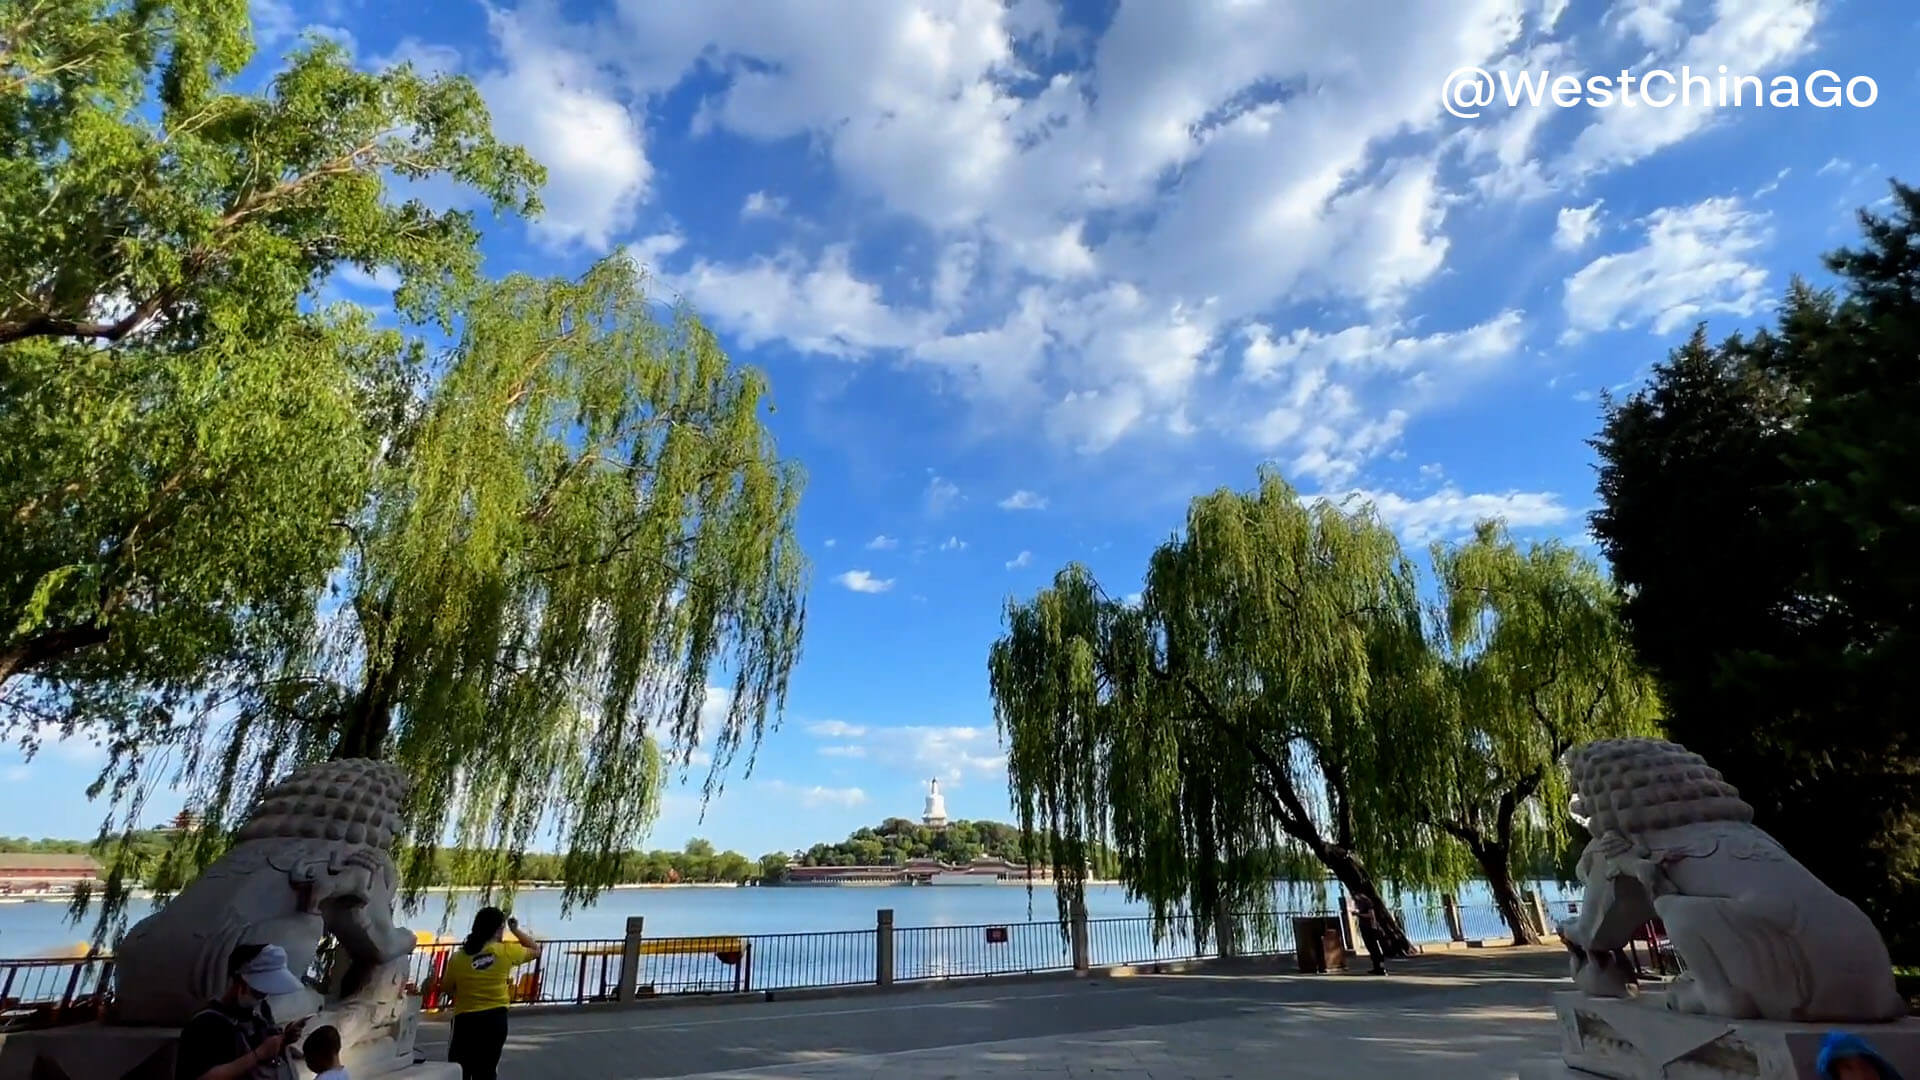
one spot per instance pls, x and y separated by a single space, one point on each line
113 1052
1641 1039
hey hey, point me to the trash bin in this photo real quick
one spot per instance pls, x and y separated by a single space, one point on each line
1317 944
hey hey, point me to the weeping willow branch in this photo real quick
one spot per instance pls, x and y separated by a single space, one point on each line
549 603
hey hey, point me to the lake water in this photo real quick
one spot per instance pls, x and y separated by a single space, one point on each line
42 928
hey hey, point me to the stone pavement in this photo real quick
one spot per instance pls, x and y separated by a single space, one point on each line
1471 1014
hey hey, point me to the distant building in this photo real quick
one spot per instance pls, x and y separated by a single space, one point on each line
28 873
922 871
935 816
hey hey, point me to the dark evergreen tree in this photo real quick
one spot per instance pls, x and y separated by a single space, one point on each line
1761 509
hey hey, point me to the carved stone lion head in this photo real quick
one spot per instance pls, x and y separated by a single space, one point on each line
355 801
1636 786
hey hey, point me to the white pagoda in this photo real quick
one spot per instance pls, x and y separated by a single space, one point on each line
935 815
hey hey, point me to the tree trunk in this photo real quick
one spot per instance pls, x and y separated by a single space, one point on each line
1354 877
27 655
1493 865
363 731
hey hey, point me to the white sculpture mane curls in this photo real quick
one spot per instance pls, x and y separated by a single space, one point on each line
1759 935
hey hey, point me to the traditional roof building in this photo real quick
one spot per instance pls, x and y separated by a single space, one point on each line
24 872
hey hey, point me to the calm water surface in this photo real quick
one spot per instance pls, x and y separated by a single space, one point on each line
42 928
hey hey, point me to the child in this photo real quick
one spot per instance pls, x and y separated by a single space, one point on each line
322 1051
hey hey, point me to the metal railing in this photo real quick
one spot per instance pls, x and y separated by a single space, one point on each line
575 971
568 971
752 963
48 992
958 952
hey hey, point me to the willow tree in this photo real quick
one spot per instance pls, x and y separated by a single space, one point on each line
181 420
1224 722
582 526
1529 658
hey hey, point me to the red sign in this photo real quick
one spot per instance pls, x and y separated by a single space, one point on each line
996 935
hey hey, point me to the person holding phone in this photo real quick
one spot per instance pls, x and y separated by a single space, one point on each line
480 974
235 1038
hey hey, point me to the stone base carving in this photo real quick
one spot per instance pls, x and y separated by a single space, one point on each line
1640 1038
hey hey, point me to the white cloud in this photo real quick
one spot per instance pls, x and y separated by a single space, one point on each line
953 543
1096 231
1094 239
883 542
427 58
383 279
953 754
816 796
1695 262
862 581
552 99
1024 559
831 542
1576 225
1757 36
941 494
1330 402
1450 512
814 305
1024 500
761 204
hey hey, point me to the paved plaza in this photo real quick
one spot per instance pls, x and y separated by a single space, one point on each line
1468 1014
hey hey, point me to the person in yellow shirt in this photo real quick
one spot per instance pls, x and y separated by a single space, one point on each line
480 974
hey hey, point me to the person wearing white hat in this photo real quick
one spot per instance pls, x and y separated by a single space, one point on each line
235 1037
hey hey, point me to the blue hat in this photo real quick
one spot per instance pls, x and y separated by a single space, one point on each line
1839 1045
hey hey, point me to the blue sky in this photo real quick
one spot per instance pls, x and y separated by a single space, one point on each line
1028 276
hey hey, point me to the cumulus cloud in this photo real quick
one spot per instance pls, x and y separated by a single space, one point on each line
761 204
883 542
953 543
1695 261
1094 241
1024 559
1450 512
552 99
815 796
1757 35
1330 402
1576 225
1024 500
953 754
941 495
863 581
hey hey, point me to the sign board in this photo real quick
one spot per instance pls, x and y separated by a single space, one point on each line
996 935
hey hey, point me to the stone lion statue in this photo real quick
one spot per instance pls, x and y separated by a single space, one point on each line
1759 936
311 861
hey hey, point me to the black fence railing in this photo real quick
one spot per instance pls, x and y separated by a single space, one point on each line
572 971
755 962
48 992
957 952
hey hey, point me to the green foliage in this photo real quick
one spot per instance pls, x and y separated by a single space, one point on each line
1528 659
582 520
896 840
180 426
242 532
1220 730
1759 508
